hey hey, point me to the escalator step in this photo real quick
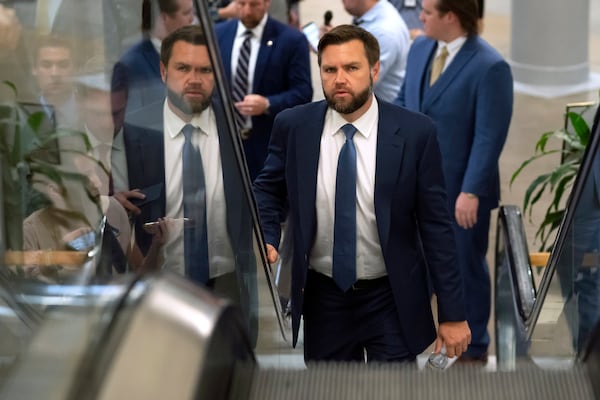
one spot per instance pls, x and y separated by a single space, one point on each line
356 381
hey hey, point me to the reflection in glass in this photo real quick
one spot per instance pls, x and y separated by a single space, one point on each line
183 145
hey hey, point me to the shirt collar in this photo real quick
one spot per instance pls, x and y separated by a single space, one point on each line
156 43
453 47
257 31
174 124
364 124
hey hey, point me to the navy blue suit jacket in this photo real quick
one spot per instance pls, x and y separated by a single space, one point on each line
282 74
410 200
139 71
471 104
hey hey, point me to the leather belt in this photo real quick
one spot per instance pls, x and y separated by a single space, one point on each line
366 284
361 284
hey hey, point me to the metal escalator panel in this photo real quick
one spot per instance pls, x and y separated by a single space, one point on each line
157 338
171 339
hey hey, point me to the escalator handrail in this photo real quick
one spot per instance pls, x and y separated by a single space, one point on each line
511 227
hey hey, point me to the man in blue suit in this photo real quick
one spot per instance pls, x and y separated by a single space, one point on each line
398 201
278 73
465 86
139 67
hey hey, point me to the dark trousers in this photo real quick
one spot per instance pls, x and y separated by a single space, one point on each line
472 247
359 324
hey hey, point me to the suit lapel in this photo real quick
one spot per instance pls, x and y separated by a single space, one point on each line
264 53
390 149
226 47
151 57
464 55
425 58
308 144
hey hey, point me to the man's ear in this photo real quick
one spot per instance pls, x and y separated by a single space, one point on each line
375 71
163 72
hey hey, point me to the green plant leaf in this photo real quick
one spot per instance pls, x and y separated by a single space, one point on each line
580 126
529 161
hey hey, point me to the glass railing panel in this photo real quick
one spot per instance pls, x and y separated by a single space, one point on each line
570 287
66 123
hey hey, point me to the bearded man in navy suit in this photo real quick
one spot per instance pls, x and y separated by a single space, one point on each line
471 102
399 202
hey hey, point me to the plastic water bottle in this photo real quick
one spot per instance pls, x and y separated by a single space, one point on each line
438 361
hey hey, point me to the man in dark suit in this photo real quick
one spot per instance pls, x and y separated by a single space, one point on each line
278 73
466 87
397 200
139 67
156 144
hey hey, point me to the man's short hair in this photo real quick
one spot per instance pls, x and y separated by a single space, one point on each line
151 9
191 34
345 33
467 12
52 40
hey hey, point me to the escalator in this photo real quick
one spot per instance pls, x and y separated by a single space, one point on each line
199 348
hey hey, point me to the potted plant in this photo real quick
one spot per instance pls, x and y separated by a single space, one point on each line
28 149
558 181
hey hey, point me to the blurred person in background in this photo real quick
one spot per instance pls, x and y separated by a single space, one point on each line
383 21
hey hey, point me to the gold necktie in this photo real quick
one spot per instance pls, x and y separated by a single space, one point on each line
438 65
42 17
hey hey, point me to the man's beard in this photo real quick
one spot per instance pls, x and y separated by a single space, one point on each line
187 107
357 102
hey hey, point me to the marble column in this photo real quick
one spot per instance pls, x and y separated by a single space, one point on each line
550 41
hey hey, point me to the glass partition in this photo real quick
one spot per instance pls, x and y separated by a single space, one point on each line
570 287
87 188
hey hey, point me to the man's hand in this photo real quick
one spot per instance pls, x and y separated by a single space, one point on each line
272 254
455 335
252 105
123 199
465 210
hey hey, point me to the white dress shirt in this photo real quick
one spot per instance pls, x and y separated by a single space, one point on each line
206 138
369 258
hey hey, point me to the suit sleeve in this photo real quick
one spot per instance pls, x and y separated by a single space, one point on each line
493 112
270 187
299 85
436 232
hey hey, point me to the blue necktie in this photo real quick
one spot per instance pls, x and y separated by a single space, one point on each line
194 209
344 227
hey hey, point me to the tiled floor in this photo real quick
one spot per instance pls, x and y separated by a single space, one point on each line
532 116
